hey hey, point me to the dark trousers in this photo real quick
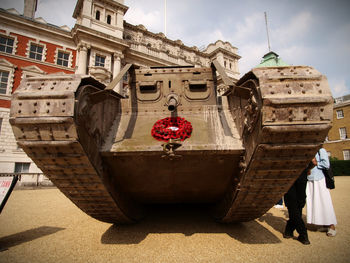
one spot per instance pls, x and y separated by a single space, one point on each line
295 201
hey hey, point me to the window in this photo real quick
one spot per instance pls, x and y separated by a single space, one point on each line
98 15
36 51
99 61
109 19
0 124
340 114
346 154
6 44
62 58
342 132
4 77
22 167
7 71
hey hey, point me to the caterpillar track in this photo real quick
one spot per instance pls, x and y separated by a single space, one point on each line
246 149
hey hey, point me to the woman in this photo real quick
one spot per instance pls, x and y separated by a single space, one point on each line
320 209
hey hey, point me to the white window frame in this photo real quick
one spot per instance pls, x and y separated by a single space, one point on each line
22 164
43 55
101 56
343 133
10 68
340 114
15 41
69 57
346 154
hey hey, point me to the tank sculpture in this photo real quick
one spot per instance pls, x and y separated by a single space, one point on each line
172 138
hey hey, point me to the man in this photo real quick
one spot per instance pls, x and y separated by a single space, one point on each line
295 201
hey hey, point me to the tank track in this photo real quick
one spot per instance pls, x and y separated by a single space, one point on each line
286 120
42 118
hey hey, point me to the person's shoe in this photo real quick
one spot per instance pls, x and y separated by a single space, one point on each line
304 240
287 234
331 232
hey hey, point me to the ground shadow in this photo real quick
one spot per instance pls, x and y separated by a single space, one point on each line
278 223
26 236
187 220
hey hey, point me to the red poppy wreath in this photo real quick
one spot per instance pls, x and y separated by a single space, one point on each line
171 128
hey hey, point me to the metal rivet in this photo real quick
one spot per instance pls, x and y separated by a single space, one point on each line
19 111
63 103
305 111
301 85
20 104
320 91
47 103
35 103
48 111
305 118
289 91
303 91
34 111
287 85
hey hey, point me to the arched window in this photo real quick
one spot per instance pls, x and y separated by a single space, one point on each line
98 15
109 19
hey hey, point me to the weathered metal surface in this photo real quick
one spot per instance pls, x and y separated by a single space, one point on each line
244 152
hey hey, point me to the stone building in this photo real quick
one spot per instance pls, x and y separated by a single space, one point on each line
338 140
100 44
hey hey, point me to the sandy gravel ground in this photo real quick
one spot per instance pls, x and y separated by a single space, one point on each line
44 226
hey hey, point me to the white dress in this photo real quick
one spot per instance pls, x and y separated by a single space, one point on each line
319 204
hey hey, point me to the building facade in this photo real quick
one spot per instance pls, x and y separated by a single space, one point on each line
100 44
338 140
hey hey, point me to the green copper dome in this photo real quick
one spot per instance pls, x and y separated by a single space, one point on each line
271 59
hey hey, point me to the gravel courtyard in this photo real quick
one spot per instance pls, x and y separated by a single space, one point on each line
44 226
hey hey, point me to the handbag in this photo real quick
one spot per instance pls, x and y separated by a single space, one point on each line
328 174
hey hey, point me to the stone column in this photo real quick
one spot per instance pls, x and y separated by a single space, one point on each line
82 59
116 69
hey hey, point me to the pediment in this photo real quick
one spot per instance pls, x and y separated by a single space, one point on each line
4 62
34 69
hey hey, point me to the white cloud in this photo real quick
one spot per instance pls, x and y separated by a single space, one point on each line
249 29
339 88
152 20
295 30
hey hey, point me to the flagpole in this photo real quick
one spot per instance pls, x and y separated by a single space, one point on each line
267 32
165 18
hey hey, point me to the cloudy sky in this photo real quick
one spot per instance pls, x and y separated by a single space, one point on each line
302 32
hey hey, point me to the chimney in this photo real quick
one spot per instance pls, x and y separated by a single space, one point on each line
29 8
